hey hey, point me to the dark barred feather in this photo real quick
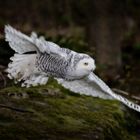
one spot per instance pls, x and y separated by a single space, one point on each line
51 65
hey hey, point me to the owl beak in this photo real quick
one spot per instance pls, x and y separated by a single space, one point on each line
93 68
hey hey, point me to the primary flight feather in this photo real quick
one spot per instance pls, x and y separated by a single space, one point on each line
71 69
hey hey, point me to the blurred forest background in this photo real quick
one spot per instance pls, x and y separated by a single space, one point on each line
107 30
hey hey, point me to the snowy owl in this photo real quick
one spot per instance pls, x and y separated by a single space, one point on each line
72 70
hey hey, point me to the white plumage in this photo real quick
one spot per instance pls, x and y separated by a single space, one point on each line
71 69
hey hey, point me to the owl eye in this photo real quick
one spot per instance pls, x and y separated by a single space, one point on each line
85 63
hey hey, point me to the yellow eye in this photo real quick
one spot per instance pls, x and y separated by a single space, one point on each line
85 63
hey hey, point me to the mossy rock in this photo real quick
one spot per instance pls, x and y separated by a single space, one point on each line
62 115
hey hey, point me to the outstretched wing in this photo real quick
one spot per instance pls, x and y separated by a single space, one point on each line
94 86
84 86
93 78
22 43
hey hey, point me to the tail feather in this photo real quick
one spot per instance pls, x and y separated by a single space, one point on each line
21 67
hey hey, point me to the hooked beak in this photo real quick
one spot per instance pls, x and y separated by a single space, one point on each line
94 67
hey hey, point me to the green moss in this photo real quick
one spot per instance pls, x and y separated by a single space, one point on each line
63 116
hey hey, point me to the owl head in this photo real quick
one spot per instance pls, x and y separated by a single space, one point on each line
85 66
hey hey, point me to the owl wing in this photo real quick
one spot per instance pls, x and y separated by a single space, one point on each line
85 87
94 86
18 41
22 43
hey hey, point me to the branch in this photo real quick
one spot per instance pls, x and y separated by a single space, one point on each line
126 94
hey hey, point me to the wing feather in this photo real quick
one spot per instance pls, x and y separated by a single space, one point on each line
84 87
94 78
22 43
49 47
18 41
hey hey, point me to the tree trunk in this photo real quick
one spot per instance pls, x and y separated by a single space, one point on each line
104 32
